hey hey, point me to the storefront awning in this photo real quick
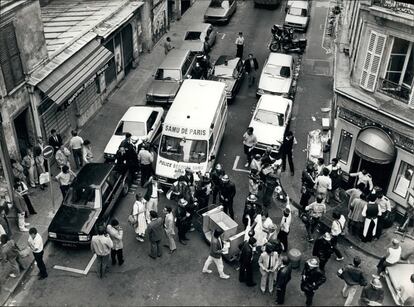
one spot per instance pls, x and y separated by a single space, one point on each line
375 145
66 79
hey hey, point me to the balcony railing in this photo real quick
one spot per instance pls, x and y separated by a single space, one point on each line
402 6
400 92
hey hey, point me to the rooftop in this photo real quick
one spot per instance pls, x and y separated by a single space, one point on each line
67 20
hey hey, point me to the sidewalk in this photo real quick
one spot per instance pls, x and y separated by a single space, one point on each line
98 130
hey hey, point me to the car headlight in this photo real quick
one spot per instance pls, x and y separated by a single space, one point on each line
83 238
52 235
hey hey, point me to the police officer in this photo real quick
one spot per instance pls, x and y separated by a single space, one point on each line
384 205
216 175
227 191
312 278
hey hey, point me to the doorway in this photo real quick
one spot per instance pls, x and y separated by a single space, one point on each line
21 124
381 173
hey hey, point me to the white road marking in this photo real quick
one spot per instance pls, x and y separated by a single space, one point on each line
236 161
77 271
224 35
63 268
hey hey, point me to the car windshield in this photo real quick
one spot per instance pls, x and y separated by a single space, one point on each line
192 36
216 3
224 72
135 128
298 11
168 74
269 117
183 150
79 196
277 71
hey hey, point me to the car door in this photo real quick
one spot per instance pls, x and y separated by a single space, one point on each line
239 74
111 189
150 125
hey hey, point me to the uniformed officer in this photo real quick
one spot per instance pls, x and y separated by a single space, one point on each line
384 205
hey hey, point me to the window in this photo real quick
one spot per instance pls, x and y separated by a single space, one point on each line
344 147
183 150
135 128
372 61
211 143
399 75
277 71
403 180
10 62
186 66
269 117
168 74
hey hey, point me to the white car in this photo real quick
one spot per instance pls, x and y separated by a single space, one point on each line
269 121
141 121
199 38
297 15
277 75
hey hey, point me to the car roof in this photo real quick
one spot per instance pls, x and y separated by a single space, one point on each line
300 4
174 59
138 113
196 97
273 103
202 26
93 174
280 59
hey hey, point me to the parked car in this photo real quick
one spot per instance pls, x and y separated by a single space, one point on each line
90 201
199 38
398 281
141 121
220 11
177 66
277 75
270 120
229 70
297 15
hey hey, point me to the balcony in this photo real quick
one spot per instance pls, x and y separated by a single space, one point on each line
399 11
399 92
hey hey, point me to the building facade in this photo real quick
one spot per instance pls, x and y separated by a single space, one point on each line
374 96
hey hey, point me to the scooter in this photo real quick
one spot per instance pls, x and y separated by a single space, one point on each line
283 40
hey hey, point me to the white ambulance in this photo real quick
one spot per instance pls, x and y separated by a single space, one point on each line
193 130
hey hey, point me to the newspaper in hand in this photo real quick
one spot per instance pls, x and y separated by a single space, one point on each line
226 247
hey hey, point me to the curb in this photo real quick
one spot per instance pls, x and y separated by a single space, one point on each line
349 240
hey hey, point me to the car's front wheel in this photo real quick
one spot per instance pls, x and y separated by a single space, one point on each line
125 187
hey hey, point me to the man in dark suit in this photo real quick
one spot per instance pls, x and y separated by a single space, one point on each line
155 231
283 277
323 249
246 262
55 140
250 67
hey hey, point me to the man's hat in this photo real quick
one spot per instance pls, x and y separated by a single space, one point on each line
376 283
286 211
252 198
182 202
218 166
225 178
313 262
134 139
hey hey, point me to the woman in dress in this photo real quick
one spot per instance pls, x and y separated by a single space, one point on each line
139 211
87 152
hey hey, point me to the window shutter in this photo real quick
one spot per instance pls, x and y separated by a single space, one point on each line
372 62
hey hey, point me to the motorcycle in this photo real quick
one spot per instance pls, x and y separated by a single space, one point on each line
284 40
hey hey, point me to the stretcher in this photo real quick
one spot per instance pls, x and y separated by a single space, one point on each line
317 141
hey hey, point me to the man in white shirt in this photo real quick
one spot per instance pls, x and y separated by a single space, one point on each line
338 225
75 144
145 158
101 245
323 184
249 143
316 210
239 45
35 243
285 227
364 177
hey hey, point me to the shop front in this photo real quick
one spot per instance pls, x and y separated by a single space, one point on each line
71 94
160 23
365 139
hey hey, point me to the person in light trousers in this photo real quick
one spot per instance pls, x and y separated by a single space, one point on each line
268 263
353 278
116 233
169 228
101 245
216 251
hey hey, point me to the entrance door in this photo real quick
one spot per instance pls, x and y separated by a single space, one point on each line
381 173
21 123
127 47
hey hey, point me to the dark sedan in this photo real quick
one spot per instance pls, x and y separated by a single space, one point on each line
229 70
90 201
